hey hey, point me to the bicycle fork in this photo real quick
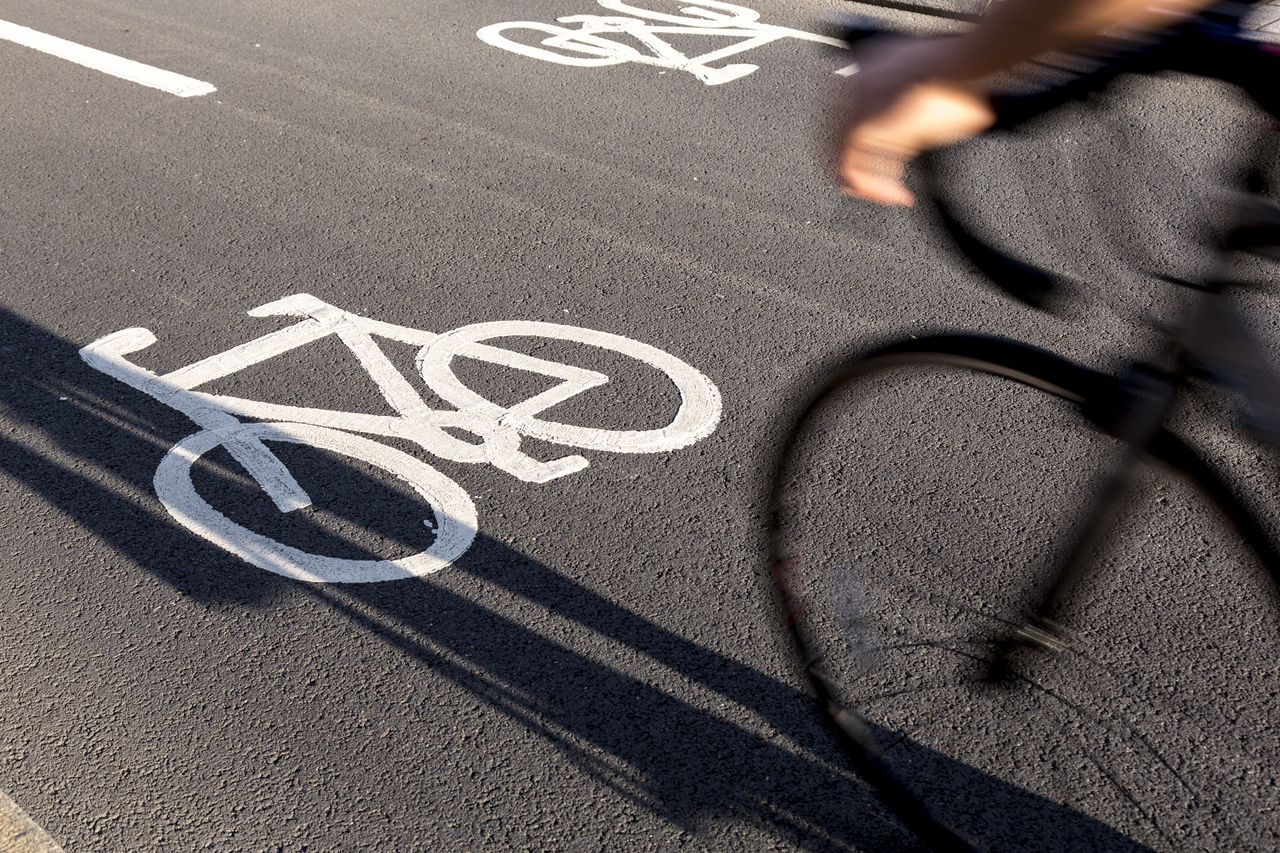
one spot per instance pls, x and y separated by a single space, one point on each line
1211 340
1135 416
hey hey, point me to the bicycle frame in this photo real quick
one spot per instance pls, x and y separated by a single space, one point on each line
1135 408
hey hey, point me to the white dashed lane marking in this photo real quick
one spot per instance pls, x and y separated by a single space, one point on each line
107 63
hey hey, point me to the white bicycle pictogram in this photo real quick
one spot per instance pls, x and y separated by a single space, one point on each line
588 46
499 429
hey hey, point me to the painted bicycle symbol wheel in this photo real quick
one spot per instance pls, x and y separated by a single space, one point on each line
696 418
454 512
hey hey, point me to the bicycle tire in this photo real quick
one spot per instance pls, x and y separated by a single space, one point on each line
867 734
454 511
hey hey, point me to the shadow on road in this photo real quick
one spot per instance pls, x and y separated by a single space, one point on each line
88 447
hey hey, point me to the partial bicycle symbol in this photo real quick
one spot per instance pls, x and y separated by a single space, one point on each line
498 430
647 38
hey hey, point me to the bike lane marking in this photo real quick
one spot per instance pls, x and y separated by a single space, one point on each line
500 429
107 63
587 46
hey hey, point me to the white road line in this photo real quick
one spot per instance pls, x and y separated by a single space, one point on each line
107 63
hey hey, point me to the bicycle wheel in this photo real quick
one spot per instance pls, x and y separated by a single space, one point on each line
454 513
916 506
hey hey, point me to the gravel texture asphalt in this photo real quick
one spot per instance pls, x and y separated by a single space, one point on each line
598 670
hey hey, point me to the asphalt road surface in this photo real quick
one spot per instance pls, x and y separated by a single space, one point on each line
593 667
